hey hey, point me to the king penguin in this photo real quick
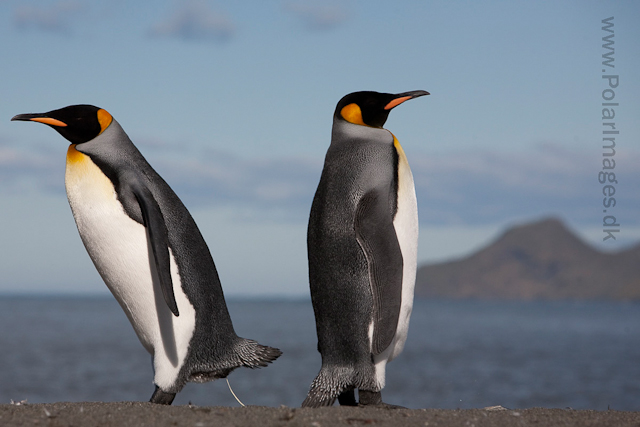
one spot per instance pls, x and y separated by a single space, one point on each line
150 253
362 243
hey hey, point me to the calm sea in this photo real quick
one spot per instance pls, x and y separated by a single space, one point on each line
460 354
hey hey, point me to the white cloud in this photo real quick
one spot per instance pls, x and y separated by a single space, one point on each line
318 16
473 188
57 18
282 186
485 187
195 20
33 169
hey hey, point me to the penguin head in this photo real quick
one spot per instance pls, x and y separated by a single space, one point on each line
371 108
77 123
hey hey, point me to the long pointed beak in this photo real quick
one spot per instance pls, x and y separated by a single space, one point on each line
40 118
405 96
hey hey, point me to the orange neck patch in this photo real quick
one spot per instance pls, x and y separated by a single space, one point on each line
399 148
352 114
104 118
73 155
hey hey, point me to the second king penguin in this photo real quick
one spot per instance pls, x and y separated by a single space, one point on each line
362 243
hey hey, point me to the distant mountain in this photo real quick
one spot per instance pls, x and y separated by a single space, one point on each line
542 260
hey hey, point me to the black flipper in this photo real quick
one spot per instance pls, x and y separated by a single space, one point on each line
162 398
157 229
377 237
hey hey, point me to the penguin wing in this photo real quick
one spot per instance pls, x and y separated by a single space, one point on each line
158 236
377 237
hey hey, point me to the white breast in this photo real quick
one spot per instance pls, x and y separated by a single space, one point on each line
406 227
120 251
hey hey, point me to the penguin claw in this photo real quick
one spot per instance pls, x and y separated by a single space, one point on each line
374 398
162 398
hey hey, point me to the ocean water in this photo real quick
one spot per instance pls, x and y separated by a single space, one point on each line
459 354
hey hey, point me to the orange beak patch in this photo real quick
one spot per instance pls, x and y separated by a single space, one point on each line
49 121
397 102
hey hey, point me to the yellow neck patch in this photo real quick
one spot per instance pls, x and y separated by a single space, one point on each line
104 118
73 155
352 114
399 149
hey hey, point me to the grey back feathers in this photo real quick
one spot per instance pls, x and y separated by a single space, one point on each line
362 245
149 251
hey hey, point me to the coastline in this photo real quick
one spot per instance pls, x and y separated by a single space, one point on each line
125 414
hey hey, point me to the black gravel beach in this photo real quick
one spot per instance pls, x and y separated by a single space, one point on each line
123 414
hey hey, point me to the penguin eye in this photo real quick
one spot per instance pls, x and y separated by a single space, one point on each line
353 114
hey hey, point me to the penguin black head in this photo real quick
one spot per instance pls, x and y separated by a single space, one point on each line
371 108
77 123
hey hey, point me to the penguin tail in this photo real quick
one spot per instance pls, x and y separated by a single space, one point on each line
254 355
327 386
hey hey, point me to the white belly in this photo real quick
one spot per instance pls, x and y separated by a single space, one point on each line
120 251
406 227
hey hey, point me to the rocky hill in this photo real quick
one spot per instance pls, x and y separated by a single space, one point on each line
542 260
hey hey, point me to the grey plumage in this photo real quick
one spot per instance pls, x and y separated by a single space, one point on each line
356 263
150 253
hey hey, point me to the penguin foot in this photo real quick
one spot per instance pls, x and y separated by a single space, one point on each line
348 398
369 397
374 398
162 398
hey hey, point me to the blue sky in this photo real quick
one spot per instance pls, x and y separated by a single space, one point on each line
231 102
